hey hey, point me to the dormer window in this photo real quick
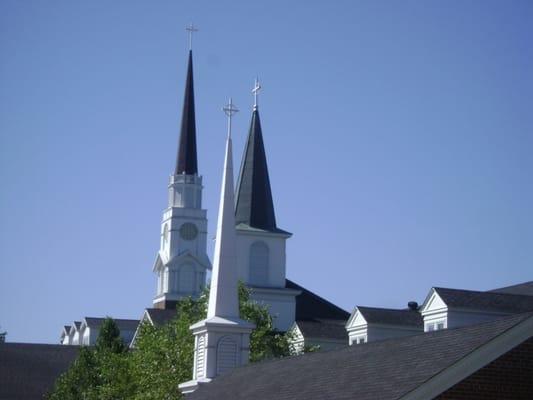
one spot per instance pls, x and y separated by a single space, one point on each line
435 325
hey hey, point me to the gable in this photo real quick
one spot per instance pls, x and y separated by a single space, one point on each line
295 333
433 303
357 320
160 261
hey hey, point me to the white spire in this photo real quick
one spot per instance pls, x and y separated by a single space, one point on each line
223 296
222 340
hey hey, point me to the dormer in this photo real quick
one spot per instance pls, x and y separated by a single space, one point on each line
319 334
451 308
74 333
368 324
65 335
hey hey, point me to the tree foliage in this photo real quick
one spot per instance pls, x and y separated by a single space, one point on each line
162 357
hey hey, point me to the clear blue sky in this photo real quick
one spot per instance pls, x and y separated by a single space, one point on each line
399 137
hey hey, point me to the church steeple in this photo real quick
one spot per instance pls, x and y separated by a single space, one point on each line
254 206
222 340
182 262
223 300
187 162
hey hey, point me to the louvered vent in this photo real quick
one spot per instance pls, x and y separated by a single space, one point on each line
200 360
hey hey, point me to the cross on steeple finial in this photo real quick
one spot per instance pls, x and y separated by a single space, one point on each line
229 110
191 29
255 91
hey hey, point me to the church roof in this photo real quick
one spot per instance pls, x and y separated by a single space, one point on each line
323 329
161 316
28 371
389 370
310 306
525 288
485 301
390 316
254 206
187 162
122 324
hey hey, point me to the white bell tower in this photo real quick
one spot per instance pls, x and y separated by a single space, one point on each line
261 244
182 262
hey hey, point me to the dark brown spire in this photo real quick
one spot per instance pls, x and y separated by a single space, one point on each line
254 206
186 161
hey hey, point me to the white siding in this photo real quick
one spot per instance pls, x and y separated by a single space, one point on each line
259 262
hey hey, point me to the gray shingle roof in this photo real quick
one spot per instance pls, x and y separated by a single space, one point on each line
390 316
486 301
159 316
254 206
310 306
323 329
28 371
384 370
525 288
122 324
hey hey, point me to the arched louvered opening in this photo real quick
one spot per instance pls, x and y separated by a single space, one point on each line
226 354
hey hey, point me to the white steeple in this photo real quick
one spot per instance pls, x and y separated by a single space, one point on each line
182 262
222 340
223 296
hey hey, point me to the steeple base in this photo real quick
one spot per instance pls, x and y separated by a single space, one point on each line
165 304
220 344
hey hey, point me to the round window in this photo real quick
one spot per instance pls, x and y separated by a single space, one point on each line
188 231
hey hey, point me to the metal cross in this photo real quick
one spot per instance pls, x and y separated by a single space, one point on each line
255 91
229 110
191 29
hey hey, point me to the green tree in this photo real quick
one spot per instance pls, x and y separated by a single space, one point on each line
265 341
80 381
113 364
163 356
109 339
100 372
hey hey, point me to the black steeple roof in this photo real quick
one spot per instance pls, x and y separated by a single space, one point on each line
186 161
254 206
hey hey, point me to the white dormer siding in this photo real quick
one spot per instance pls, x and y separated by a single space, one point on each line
76 338
357 328
64 340
435 312
296 339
